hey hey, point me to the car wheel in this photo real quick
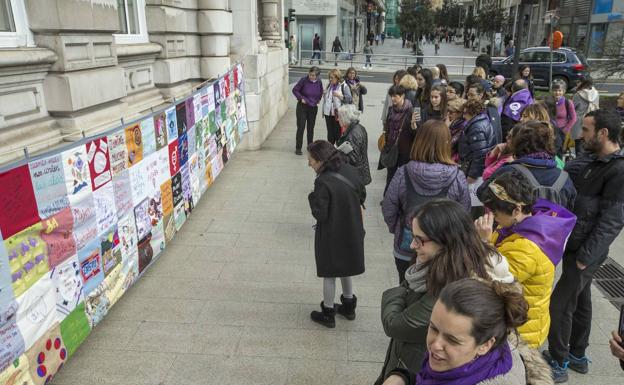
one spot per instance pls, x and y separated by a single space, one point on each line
563 81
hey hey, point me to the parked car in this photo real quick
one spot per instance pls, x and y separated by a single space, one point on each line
569 66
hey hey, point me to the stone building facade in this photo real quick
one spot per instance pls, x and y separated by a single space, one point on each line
70 68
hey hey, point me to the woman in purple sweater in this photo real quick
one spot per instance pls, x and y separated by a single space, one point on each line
431 174
308 91
562 116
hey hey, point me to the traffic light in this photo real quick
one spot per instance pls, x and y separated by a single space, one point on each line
291 14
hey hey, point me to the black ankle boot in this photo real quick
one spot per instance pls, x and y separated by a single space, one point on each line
347 308
326 317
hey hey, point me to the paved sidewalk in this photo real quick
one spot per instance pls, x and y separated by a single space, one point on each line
229 301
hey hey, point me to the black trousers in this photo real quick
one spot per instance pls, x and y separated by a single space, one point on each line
305 115
333 129
402 267
571 311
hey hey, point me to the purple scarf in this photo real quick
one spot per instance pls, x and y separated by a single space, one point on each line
495 363
517 103
548 227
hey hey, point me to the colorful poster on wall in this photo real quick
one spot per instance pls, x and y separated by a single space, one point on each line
166 195
97 305
77 175
172 124
148 136
68 284
204 101
189 109
6 284
142 219
18 206
28 258
110 249
118 152
75 329
183 150
192 140
99 162
176 189
123 193
11 341
36 311
47 356
48 181
179 216
196 175
181 117
160 130
169 227
91 266
105 211
174 158
17 373
58 235
187 193
127 237
134 144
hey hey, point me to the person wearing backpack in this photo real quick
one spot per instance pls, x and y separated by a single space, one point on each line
531 234
533 148
429 174
586 99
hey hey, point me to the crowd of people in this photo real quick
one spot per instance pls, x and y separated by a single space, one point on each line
489 187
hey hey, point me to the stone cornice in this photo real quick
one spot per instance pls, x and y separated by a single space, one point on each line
146 49
26 57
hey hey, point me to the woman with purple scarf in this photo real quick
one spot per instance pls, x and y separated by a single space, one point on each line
531 234
470 340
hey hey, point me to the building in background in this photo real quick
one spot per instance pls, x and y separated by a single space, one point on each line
350 20
70 68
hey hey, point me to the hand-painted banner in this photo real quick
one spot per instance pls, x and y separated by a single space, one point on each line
99 162
77 228
48 180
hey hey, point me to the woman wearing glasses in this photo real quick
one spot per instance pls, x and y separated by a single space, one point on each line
449 249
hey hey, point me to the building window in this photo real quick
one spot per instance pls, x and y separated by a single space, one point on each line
132 24
14 31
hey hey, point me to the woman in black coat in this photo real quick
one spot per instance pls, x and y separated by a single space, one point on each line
354 140
336 204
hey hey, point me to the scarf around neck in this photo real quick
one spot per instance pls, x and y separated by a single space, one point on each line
416 277
495 363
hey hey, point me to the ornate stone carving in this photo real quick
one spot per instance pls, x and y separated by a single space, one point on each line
271 31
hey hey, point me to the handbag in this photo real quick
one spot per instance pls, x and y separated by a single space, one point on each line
381 142
390 152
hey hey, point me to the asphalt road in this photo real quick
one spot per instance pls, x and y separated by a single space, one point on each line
386 77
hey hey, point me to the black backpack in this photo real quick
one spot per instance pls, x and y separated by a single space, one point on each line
414 202
550 193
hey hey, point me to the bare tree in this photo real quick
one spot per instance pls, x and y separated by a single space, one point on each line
614 66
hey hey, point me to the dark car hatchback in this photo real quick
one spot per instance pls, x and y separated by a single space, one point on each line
569 67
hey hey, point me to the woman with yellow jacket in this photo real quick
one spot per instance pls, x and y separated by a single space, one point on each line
531 235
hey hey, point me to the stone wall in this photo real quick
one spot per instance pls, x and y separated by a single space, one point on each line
77 81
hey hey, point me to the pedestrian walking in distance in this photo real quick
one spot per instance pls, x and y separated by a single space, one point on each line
336 204
308 91
316 49
368 53
336 49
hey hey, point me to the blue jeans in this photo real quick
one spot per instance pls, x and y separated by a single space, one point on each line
368 61
316 54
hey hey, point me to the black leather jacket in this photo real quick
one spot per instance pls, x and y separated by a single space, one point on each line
599 206
356 135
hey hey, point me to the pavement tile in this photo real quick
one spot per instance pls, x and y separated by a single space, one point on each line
157 310
249 314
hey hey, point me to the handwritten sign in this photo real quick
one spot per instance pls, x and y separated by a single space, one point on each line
123 193
142 219
48 181
105 209
75 329
18 206
85 222
118 152
138 182
76 168
36 311
127 237
91 266
166 197
99 162
68 284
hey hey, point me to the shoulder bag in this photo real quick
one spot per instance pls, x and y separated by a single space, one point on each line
390 151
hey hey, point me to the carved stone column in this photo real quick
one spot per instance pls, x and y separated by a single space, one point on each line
271 30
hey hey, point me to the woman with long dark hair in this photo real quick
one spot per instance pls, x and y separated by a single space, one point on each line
525 74
436 108
339 232
471 340
448 248
425 81
396 79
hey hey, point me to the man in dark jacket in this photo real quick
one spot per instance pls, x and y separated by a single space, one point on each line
316 49
599 207
308 91
514 105
477 91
